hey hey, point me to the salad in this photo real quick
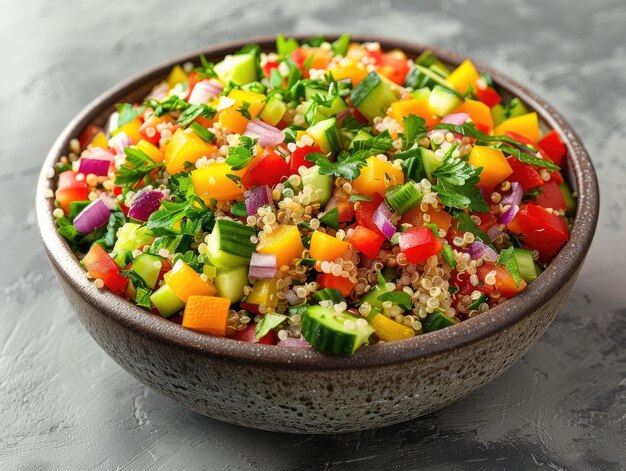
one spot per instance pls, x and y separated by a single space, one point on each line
327 194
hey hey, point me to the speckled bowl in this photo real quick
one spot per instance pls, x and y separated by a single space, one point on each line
301 390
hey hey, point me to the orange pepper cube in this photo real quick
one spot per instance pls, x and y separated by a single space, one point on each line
284 242
326 247
400 109
439 217
150 150
355 71
463 76
495 167
185 146
212 182
376 176
185 282
207 314
478 111
526 125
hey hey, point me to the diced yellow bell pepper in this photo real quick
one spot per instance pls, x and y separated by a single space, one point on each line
263 292
355 71
389 330
326 247
376 176
495 167
232 119
150 150
99 140
176 76
131 130
463 76
211 182
400 109
256 100
185 282
284 242
527 125
185 146
478 111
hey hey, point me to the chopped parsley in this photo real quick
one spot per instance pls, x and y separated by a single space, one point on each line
239 157
507 258
347 166
137 167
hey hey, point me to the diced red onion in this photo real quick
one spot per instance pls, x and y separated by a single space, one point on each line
262 266
479 249
266 134
382 219
507 216
257 197
144 204
119 142
99 167
110 201
293 342
494 232
455 118
204 91
95 215
159 91
514 195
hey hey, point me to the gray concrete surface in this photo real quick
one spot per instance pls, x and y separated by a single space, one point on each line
65 405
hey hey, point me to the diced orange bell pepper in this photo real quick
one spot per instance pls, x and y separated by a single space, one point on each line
212 182
344 285
478 111
232 119
131 130
376 176
506 284
207 314
400 109
327 247
263 292
355 71
284 242
439 217
185 282
494 164
463 76
151 150
185 146
527 125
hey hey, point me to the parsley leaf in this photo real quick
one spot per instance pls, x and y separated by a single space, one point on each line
448 256
466 224
347 166
400 298
270 321
243 110
206 69
308 62
137 167
507 258
239 209
143 291
116 221
284 47
191 112
331 218
374 145
240 156
127 113
414 130
527 158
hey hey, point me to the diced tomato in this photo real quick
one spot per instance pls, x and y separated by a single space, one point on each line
298 157
165 267
101 266
365 213
344 285
488 96
394 65
367 241
253 308
540 230
192 79
269 168
70 189
482 128
487 221
249 335
525 174
88 134
419 243
320 59
505 283
268 67
551 196
557 177
519 138
341 200
553 146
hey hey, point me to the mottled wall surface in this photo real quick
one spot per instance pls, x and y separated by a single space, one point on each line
65 405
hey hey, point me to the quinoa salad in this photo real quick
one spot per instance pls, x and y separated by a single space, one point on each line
327 195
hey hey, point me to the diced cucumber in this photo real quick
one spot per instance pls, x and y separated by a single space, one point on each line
132 236
443 101
362 135
229 244
526 264
230 283
568 196
210 271
401 198
239 68
122 257
421 93
273 111
322 185
438 320
315 112
501 113
428 59
166 302
255 87
371 298
310 92
431 161
148 267
328 294
327 135
334 333
374 95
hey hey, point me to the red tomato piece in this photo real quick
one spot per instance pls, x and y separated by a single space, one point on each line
249 335
101 266
269 168
525 174
551 196
341 200
488 96
365 213
70 189
268 67
298 157
553 146
344 285
540 230
394 65
192 79
367 241
505 283
88 134
419 243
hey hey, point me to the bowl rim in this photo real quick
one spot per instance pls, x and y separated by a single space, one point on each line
503 316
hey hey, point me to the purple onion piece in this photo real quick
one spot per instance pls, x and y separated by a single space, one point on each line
257 197
203 91
455 118
262 266
266 134
119 142
479 249
99 167
95 215
514 195
494 232
382 219
507 216
145 203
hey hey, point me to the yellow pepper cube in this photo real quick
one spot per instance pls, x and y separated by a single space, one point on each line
284 242
212 182
185 282
99 140
151 150
185 146
526 125
263 292
376 176
326 247
495 167
390 331
463 76
355 71
478 111
256 101
131 130
177 75
232 119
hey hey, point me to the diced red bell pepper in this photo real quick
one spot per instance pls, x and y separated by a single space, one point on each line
298 157
505 283
367 241
419 243
557 177
394 65
553 146
525 174
101 266
70 189
555 174
249 335
341 200
551 196
268 67
88 134
268 168
192 79
344 285
488 96
365 213
540 230
482 128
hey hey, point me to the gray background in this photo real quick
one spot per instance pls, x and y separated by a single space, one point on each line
65 405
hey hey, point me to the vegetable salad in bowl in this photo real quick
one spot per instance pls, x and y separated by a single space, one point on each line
325 195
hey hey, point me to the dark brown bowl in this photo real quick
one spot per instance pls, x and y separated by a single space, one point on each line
302 390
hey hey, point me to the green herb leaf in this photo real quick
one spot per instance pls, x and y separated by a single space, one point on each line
374 145
308 62
466 224
116 221
128 113
206 69
305 262
507 258
243 109
137 167
414 130
284 47
314 41
202 132
341 44
270 321
299 309
189 114
347 166
400 298
240 156
331 218
355 198
276 79
527 158
239 209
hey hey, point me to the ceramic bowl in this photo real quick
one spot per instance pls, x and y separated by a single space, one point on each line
302 390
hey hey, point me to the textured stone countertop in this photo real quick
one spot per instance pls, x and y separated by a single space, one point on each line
65 405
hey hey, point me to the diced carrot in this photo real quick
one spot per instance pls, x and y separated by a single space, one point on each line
207 314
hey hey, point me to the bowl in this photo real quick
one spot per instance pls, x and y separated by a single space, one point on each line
301 390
